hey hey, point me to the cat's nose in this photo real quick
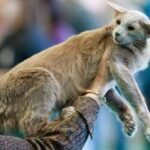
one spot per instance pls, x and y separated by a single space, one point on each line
117 34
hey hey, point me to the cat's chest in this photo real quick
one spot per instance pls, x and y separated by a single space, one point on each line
142 60
134 60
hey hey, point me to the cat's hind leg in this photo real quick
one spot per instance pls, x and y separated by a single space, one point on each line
33 93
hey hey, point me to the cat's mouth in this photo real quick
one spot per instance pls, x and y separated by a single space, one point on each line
118 41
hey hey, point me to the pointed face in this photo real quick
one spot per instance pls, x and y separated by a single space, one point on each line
129 26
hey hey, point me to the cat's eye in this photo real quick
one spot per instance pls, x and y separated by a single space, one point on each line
118 21
131 28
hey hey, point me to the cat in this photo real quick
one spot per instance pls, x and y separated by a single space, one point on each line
30 91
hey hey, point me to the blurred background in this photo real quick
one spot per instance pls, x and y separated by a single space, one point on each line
29 26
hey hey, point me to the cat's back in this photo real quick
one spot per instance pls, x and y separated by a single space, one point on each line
65 52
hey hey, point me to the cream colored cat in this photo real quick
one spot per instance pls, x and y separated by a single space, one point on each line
47 80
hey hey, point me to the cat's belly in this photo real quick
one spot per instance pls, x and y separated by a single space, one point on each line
68 93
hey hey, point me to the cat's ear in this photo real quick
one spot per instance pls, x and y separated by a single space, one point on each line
146 27
118 9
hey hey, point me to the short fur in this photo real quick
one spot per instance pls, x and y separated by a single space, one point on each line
48 80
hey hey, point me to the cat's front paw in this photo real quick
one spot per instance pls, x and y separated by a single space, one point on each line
129 125
147 133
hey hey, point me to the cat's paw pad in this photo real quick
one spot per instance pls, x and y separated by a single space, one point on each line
129 125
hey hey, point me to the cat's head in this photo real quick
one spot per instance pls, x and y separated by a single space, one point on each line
129 26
